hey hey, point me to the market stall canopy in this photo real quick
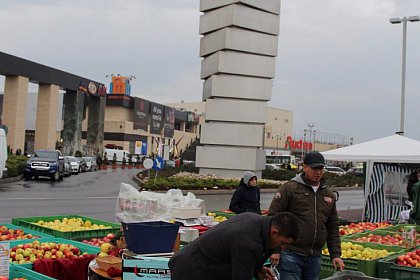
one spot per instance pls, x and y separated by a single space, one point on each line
394 148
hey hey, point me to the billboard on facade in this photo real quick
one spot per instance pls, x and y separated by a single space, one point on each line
169 122
141 114
156 118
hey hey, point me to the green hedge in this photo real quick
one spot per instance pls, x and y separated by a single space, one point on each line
163 182
15 165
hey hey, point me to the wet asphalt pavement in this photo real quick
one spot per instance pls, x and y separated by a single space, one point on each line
94 194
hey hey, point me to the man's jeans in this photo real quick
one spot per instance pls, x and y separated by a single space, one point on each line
295 266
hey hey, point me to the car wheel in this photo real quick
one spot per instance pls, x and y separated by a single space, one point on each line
28 177
56 176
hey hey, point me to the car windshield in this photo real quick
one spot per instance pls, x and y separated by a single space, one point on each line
87 158
45 154
72 159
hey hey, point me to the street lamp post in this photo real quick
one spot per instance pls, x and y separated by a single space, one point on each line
314 139
304 141
310 125
404 50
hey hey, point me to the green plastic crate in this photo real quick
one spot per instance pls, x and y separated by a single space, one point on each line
84 248
353 238
389 268
398 228
350 275
26 231
368 267
20 272
28 223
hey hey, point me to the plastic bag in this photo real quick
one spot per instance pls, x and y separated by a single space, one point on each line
134 206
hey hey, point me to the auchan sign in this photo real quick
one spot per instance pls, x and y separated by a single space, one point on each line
297 144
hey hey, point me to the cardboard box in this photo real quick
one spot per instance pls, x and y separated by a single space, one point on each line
146 268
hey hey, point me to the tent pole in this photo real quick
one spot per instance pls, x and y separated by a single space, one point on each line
369 169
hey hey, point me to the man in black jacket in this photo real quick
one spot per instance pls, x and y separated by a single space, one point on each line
246 197
235 249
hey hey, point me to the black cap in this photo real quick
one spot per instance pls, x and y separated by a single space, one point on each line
314 159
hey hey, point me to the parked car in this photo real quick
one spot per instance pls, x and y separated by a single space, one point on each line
67 167
74 164
48 163
356 171
334 170
272 166
82 164
91 164
169 163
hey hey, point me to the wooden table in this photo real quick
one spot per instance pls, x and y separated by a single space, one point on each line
95 273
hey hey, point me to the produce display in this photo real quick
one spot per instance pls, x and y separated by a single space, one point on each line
7 234
216 218
351 250
71 224
361 227
395 239
29 252
105 244
411 259
6 278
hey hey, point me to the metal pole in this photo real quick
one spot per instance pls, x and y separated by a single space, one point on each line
403 75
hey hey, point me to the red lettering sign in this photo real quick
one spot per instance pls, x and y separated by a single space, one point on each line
297 145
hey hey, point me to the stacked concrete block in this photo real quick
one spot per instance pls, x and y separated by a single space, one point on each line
239 46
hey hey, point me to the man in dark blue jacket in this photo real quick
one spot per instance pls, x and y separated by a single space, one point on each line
246 197
235 249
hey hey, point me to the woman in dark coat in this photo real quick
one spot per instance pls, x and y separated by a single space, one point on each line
246 197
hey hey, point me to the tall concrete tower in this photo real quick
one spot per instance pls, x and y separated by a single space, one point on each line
238 46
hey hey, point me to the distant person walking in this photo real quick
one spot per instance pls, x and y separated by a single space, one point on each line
246 197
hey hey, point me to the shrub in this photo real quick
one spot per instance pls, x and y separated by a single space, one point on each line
15 165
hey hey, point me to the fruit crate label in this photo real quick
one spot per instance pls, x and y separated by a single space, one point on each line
4 259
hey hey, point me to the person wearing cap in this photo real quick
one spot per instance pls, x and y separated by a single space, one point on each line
246 197
314 204
235 249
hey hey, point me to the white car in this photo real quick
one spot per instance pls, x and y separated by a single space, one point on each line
74 164
90 163
334 170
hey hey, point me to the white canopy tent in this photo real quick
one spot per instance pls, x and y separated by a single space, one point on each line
390 149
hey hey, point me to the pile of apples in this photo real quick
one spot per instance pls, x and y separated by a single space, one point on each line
350 250
6 278
361 227
13 234
411 259
105 244
72 224
30 252
388 239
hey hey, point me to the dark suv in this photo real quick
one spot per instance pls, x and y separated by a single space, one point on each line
47 163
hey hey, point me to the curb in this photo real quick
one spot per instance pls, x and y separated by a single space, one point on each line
11 179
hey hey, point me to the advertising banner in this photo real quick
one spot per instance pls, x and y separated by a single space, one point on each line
156 118
4 259
169 122
141 114
137 148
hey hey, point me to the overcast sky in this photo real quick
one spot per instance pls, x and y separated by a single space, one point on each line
338 64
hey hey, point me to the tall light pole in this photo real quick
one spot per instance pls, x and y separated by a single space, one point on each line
404 50
310 125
